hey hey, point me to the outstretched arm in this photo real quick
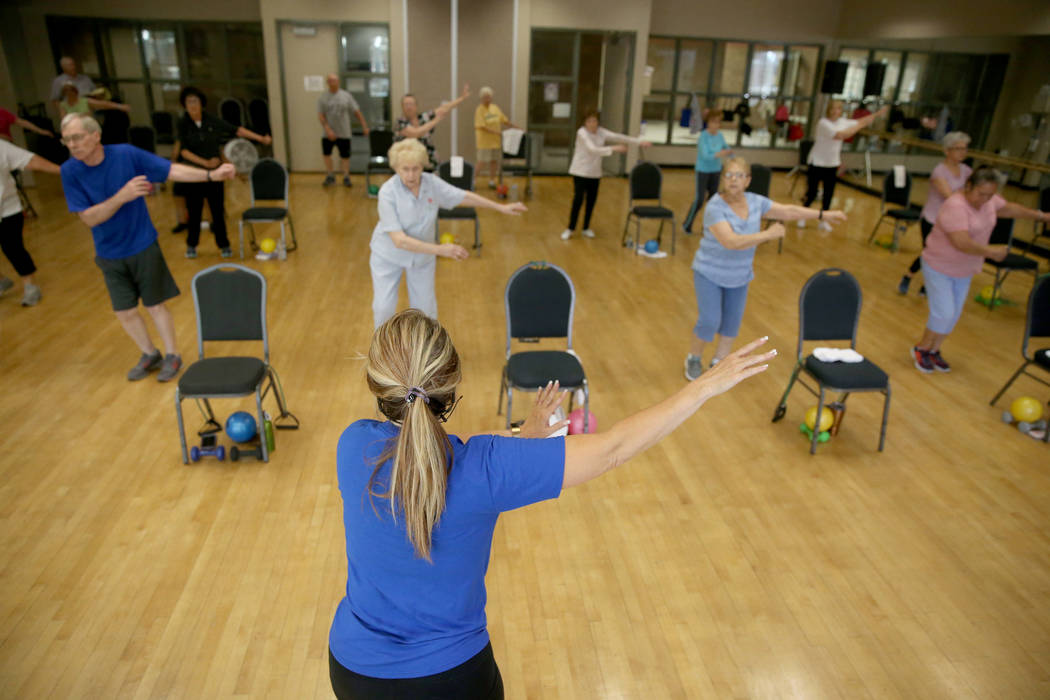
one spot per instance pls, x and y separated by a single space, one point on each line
30 126
472 199
446 107
791 212
185 173
415 132
1013 210
44 165
252 136
862 123
106 104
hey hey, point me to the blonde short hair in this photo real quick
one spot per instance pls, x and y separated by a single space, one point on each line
87 122
406 152
831 105
485 91
736 160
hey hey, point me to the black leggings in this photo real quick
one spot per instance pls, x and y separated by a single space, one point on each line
706 187
925 227
215 193
816 175
11 243
477 678
580 187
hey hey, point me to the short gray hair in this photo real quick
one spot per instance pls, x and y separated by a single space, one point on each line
954 138
485 91
87 122
985 174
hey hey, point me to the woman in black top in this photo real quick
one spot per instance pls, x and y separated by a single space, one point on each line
201 137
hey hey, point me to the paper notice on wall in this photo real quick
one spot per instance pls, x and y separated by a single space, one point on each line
313 83
561 110
455 166
550 92
900 176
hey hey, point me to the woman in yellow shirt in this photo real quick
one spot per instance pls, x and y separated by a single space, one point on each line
489 122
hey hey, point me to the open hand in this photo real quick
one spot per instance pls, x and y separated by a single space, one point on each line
136 187
329 133
266 140
212 163
777 230
998 252
834 216
453 250
537 425
513 208
466 90
619 148
226 171
736 367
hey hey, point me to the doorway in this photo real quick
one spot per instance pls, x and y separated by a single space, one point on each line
571 72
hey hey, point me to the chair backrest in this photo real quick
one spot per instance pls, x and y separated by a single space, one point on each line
230 110
115 125
143 137
761 179
1003 233
464 181
891 194
645 180
1044 199
164 125
259 115
230 301
379 142
829 307
269 180
804 147
1037 322
523 149
539 303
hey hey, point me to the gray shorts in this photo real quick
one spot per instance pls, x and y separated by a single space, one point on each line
143 275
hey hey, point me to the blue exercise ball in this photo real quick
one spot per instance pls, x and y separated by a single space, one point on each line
240 426
652 245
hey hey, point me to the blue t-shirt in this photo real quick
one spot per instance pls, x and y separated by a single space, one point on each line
706 147
129 230
404 617
725 267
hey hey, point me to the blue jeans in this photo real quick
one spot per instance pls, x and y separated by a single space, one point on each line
946 296
721 308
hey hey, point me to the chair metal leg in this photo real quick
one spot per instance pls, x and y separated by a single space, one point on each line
240 230
262 433
781 408
1006 386
586 406
291 230
182 427
284 241
885 418
874 230
674 234
510 402
626 223
477 236
502 386
660 232
816 423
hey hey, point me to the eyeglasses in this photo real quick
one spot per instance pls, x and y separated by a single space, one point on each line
735 175
74 138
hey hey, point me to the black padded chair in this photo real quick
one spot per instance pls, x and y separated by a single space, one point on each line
464 182
829 309
802 167
761 179
645 183
143 137
1037 325
115 124
259 115
269 181
540 300
1003 234
1041 230
231 110
230 302
379 143
518 163
164 125
902 217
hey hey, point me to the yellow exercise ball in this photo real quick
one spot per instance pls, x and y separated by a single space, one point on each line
988 292
447 238
826 418
267 245
1025 408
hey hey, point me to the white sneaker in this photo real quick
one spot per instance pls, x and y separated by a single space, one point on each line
566 234
801 223
824 226
587 233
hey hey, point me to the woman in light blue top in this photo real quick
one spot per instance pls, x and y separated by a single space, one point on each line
710 149
403 240
724 262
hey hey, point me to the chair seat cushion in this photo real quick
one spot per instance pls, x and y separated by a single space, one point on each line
1042 357
264 213
222 375
536 368
653 212
1013 261
852 376
904 214
458 213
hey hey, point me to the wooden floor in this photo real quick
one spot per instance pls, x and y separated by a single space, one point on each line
725 562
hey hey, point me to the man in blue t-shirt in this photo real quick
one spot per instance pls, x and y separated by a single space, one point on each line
105 186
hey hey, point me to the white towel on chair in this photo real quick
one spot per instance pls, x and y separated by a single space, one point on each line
837 355
455 166
512 140
900 177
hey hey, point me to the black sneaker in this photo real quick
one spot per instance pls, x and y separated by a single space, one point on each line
346 181
169 368
329 180
938 362
179 228
922 291
226 252
146 364
191 252
902 288
922 360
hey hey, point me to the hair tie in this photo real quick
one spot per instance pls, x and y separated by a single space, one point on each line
414 392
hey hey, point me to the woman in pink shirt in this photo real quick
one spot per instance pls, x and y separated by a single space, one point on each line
947 178
954 253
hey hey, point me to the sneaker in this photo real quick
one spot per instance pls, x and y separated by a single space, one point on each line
824 226
922 360
922 291
191 252
346 181
801 223
205 226
146 364
32 295
179 228
938 362
329 180
694 367
566 234
226 253
587 233
6 284
714 361
902 288
171 366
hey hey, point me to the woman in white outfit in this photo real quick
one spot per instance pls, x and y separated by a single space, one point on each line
403 240
586 168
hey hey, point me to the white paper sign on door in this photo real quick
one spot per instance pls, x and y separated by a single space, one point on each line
313 83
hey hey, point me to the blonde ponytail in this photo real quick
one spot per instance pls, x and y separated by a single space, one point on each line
413 370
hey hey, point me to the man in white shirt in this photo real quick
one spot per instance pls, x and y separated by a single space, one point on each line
69 74
333 111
